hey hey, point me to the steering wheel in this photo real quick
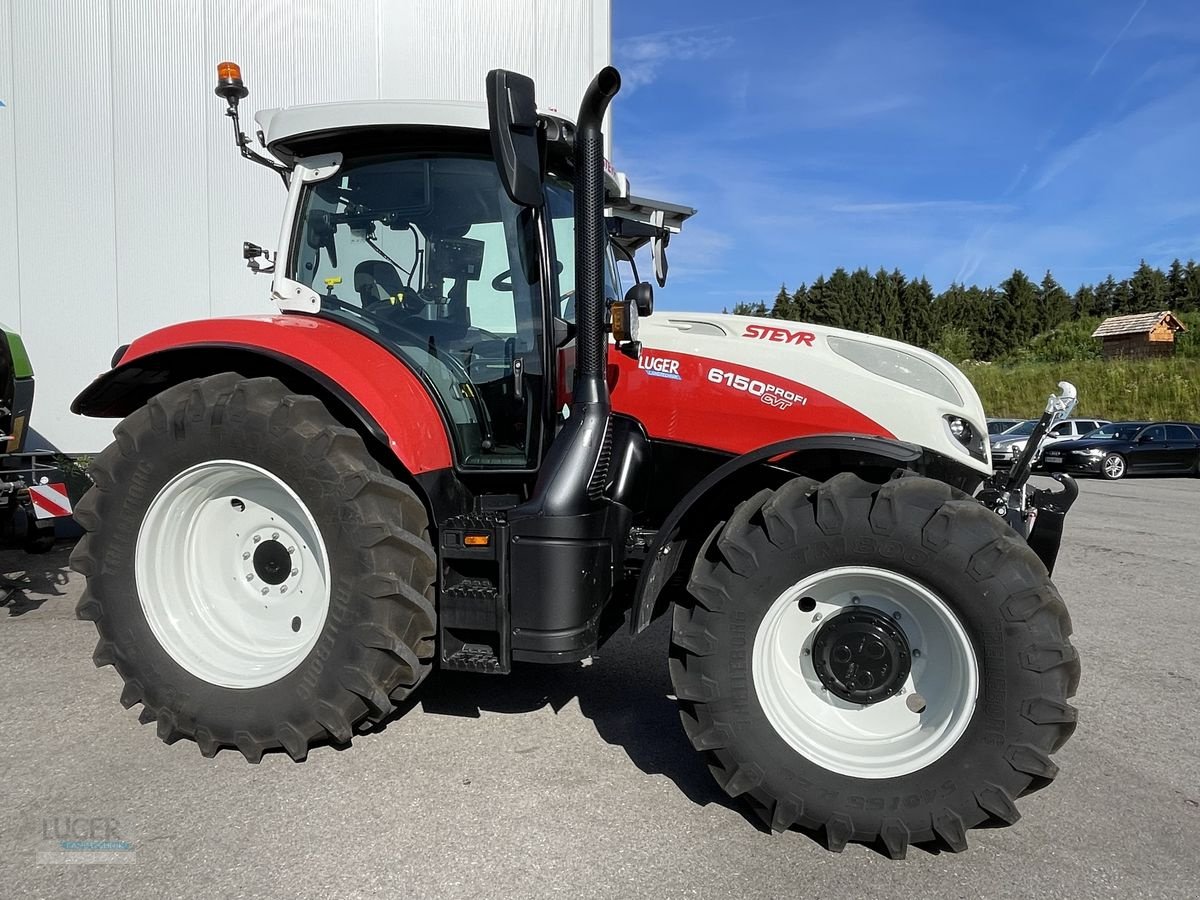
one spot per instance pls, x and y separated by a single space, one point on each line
503 282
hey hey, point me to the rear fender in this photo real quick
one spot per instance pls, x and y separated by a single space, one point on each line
714 496
376 390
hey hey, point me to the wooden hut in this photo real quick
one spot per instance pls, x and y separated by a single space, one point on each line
1139 336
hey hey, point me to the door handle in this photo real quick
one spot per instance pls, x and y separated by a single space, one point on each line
518 373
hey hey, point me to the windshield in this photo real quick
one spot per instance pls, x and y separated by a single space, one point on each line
560 203
1021 429
430 255
1121 431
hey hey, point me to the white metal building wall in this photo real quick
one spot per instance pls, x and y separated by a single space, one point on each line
123 202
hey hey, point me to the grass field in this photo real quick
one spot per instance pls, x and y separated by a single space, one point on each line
1149 389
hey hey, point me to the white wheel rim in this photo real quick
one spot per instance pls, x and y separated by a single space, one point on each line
213 583
1114 467
884 739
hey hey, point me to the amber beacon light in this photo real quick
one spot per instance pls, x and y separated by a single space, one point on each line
229 82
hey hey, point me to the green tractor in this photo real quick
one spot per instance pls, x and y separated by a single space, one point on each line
33 494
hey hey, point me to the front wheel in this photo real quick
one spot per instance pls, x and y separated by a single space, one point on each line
256 580
1113 466
880 664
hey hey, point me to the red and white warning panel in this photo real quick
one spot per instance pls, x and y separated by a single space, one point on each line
50 501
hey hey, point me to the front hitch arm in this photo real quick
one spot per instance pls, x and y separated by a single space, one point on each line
1034 513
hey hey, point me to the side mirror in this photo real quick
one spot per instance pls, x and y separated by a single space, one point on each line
641 295
658 252
321 234
516 144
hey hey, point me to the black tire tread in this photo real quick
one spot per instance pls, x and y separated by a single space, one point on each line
948 516
392 532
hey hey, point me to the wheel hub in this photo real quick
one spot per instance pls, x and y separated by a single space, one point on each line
272 562
861 656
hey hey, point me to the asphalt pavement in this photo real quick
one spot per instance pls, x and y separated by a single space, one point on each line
579 783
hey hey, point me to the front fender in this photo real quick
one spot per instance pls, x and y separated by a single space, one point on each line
667 552
388 398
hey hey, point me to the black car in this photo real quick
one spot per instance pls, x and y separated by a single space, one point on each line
1130 448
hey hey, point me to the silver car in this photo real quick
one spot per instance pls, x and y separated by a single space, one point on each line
1008 445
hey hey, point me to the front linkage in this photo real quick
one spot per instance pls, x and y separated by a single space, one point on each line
1036 513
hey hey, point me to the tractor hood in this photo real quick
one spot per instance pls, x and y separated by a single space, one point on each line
736 382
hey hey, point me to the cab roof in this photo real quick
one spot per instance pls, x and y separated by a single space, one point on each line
283 130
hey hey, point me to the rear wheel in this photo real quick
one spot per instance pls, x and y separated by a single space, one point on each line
255 578
1113 466
879 664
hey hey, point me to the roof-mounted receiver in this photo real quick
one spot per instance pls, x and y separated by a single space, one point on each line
232 89
635 221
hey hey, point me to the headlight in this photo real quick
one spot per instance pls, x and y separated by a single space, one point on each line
966 434
896 365
1093 451
1017 446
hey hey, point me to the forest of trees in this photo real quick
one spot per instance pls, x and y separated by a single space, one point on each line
972 322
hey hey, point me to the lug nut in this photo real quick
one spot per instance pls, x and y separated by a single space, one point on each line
275 536
295 572
816 617
283 590
249 576
246 555
916 652
896 614
266 591
855 601
291 549
257 538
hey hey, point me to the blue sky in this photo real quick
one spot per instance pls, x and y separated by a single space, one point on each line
952 140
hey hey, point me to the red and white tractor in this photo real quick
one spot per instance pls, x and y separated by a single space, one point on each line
456 447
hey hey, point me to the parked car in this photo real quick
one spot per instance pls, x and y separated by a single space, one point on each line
1006 447
1125 448
998 426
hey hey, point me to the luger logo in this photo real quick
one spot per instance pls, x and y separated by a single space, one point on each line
660 367
779 335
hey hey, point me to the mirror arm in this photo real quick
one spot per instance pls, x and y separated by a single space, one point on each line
628 257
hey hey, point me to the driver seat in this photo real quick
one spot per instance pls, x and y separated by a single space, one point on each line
376 281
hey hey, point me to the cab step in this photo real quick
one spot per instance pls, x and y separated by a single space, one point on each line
474 630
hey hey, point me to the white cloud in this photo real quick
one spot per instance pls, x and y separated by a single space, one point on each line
1065 159
969 207
640 59
1117 39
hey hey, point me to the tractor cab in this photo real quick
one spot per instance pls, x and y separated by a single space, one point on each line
477 243
401 227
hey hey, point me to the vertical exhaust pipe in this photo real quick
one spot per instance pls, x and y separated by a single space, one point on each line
592 347
567 543
567 483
